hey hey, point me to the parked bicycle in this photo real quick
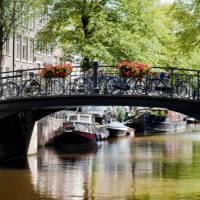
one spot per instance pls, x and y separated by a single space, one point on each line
7 89
53 86
177 85
120 85
84 84
163 85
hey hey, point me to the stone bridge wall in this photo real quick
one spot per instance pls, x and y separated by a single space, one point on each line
46 129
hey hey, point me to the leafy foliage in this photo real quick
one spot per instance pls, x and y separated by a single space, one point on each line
106 30
115 30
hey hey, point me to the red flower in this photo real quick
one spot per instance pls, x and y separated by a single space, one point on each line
133 69
61 70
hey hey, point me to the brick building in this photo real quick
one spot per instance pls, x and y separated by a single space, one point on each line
20 52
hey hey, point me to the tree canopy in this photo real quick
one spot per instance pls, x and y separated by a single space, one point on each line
115 30
106 30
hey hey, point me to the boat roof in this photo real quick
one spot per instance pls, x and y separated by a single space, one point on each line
82 118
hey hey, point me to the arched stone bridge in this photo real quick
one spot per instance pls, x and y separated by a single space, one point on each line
25 97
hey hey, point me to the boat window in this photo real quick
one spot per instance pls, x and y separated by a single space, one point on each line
81 127
72 118
90 128
93 129
84 118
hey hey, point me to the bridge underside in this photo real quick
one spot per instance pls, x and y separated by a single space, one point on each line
42 105
17 117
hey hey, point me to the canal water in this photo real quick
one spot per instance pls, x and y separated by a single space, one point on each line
146 168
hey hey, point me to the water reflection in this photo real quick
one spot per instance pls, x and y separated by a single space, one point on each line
158 167
16 181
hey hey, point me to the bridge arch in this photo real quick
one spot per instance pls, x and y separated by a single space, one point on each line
43 106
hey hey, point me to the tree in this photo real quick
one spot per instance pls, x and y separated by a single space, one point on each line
106 30
12 14
186 33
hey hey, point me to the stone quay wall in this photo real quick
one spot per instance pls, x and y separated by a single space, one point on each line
46 128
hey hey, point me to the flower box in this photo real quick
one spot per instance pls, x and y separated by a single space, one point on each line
57 71
133 69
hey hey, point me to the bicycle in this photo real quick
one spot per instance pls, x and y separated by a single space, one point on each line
148 85
53 86
120 85
178 85
7 90
84 84
28 88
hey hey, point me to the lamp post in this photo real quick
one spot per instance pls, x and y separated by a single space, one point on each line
95 66
13 64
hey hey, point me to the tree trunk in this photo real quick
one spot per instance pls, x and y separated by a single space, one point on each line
85 22
86 64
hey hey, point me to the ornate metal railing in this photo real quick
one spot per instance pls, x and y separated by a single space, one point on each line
101 80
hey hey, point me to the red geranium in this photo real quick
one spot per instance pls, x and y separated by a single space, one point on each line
133 69
62 70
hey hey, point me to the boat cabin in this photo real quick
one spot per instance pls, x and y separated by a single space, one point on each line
84 127
81 118
80 122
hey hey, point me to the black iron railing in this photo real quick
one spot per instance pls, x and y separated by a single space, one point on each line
102 80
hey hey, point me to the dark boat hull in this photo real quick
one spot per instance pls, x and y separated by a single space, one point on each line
74 139
116 133
148 127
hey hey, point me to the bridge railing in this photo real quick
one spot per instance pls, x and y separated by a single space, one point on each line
101 80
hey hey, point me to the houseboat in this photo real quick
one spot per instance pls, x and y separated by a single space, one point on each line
156 120
78 130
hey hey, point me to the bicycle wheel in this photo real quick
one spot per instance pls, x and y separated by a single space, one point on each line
182 89
160 88
57 87
102 84
10 90
140 86
131 86
114 85
31 88
82 85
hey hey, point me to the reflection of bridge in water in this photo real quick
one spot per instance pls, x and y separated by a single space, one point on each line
25 97
159 167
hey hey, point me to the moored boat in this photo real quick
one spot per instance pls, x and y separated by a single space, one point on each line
156 120
77 131
117 129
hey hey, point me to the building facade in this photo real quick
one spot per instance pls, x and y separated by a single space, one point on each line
20 52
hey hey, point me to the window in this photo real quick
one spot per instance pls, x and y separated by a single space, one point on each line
40 19
18 47
56 60
7 47
25 48
7 69
31 50
39 65
31 23
49 49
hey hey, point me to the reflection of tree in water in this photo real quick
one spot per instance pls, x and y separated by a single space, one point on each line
144 168
146 155
166 167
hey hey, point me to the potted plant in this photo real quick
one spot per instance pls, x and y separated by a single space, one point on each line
57 71
133 69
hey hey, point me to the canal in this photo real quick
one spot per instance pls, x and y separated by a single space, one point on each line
156 167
